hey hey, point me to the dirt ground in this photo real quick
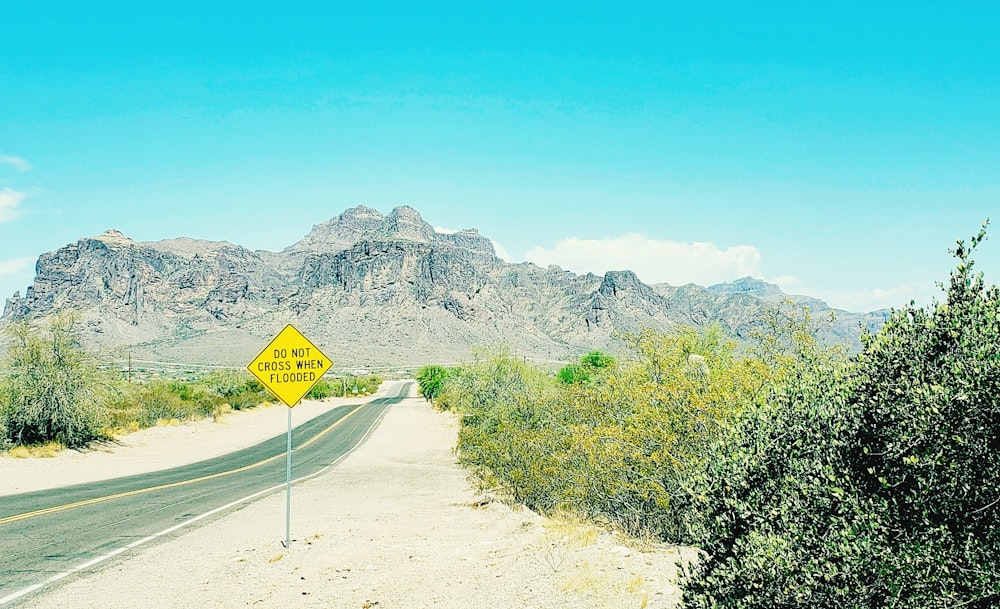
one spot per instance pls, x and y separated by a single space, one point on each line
395 524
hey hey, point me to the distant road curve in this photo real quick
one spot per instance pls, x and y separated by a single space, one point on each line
51 535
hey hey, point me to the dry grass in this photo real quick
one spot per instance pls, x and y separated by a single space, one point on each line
564 532
570 529
585 581
37 451
219 414
127 428
565 546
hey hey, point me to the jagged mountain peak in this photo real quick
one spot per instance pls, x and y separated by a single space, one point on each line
746 285
623 279
405 223
113 236
388 287
363 223
402 224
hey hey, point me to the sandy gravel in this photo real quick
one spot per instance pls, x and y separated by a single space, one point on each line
396 524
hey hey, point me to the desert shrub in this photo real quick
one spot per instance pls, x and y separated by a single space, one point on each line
597 360
183 390
573 374
237 388
54 391
870 485
643 431
149 403
321 390
506 437
5 441
430 381
619 450
584 371
144 404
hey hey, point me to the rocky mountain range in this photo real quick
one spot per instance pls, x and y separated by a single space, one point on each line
371 290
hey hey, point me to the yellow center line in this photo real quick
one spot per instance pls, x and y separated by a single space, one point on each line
85 502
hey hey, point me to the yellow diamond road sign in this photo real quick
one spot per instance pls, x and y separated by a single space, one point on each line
290 365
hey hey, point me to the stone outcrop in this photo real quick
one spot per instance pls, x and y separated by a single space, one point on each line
371 288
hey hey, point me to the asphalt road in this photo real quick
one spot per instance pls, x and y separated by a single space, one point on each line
50 535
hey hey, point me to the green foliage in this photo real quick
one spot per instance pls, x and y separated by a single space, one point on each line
597 360
431 380
236 388
573 374
620 449
54 391
320 391
145 404
584 371
506 437
645 428
870 485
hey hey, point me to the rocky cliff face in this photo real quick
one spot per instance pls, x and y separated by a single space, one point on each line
372 289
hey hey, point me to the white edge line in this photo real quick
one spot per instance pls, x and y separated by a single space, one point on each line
96 561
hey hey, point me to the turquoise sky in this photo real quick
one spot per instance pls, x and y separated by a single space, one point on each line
837 149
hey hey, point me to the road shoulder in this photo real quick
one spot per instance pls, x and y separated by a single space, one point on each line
397 523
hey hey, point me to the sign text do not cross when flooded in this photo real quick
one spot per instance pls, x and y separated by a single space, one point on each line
290 365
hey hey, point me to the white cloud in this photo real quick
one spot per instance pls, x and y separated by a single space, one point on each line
652 260
9 200
881 298
502 252
17 162
444 231
786 282
14 266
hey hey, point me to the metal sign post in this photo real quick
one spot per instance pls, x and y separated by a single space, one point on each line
288 485
289 366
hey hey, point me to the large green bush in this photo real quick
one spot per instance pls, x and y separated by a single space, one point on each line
619 450
875 485
584 370
54 391
507 436
430 381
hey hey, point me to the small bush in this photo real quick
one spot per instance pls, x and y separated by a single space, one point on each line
320 391
430 380
597 360
573 374
236 387
146 404
584 371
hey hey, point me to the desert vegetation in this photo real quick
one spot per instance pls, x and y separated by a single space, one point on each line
807 477
54 394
